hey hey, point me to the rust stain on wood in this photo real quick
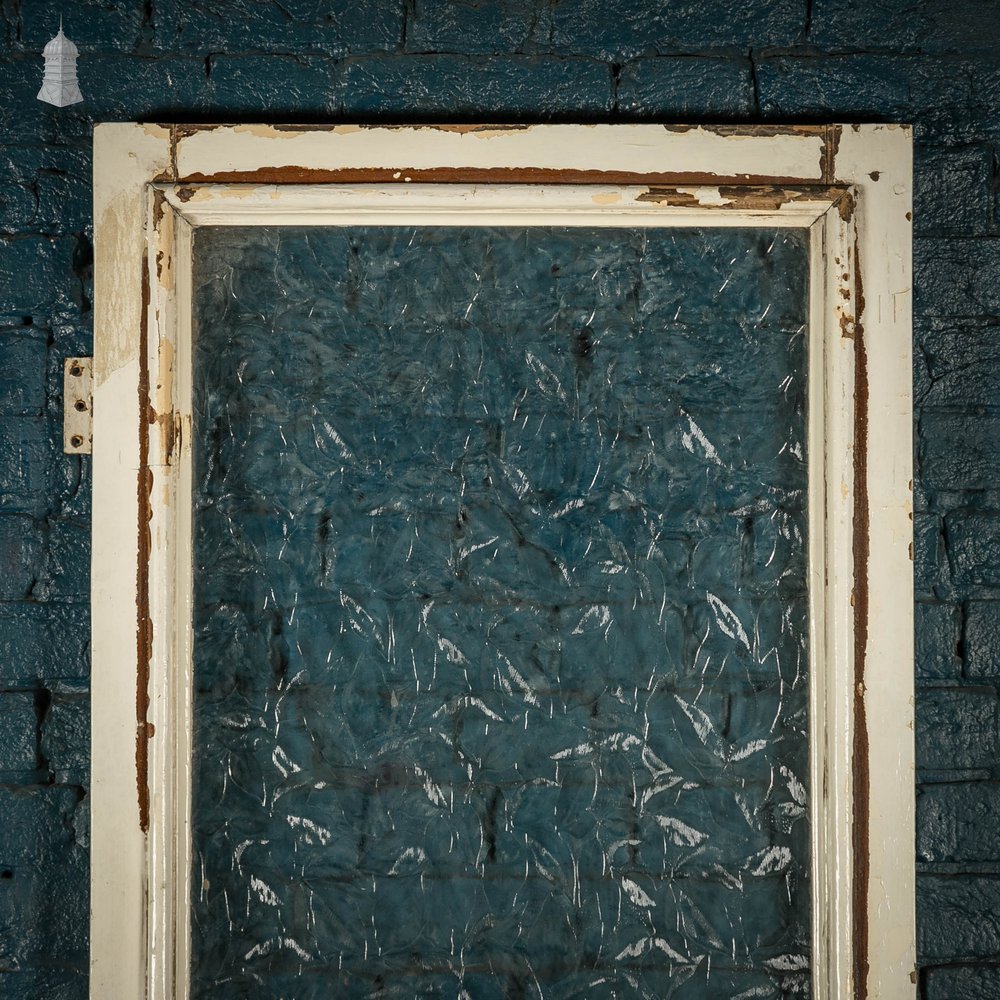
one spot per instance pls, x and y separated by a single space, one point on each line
828 134
303 128
754 197
173 155
828 153
159 206
850 320
671 196
486 129
763 199
728 131
473 175
845 203
183 131
756 131
178 132
144 624
177 437
860 757
168 426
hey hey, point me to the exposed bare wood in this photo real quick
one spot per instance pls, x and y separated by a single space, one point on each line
849 186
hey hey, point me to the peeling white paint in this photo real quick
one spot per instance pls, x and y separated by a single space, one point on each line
139 883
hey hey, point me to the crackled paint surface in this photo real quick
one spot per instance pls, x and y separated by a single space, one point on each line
500 625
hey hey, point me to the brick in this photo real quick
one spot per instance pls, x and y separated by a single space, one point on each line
956 364
62 908
870 87
958 918
68 571
265 84
43 642
70 487
116 87
958 823
959 451
938 26
686 86
38 825
923 500
123 88
616 30
479 26
982 639
26 461
969 983
36 276
984 78
294 26
18 732
43 913
65 197
937 629
18 206
93 25
66 739
952 190
71 484
956 728
52 984
959 277
929 564
14 935
22 557
36 121
459 87
973 546
80 822
72 336
22 374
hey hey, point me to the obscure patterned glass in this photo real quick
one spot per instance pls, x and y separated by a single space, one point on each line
501 656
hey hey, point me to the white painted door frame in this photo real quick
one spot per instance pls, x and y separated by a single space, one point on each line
850 186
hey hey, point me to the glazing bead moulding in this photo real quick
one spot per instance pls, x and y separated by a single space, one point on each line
59 84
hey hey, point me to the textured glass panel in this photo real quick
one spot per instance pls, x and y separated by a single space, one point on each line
500 614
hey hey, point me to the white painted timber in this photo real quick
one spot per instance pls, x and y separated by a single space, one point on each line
640 149
850 186
125 158
880 162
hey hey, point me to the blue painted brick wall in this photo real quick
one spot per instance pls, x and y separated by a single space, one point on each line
935 63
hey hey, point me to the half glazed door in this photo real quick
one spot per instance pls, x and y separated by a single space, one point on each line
505 586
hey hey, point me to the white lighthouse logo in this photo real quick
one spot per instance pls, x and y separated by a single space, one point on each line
59 85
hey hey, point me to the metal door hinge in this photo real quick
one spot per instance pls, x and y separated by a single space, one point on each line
78 406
